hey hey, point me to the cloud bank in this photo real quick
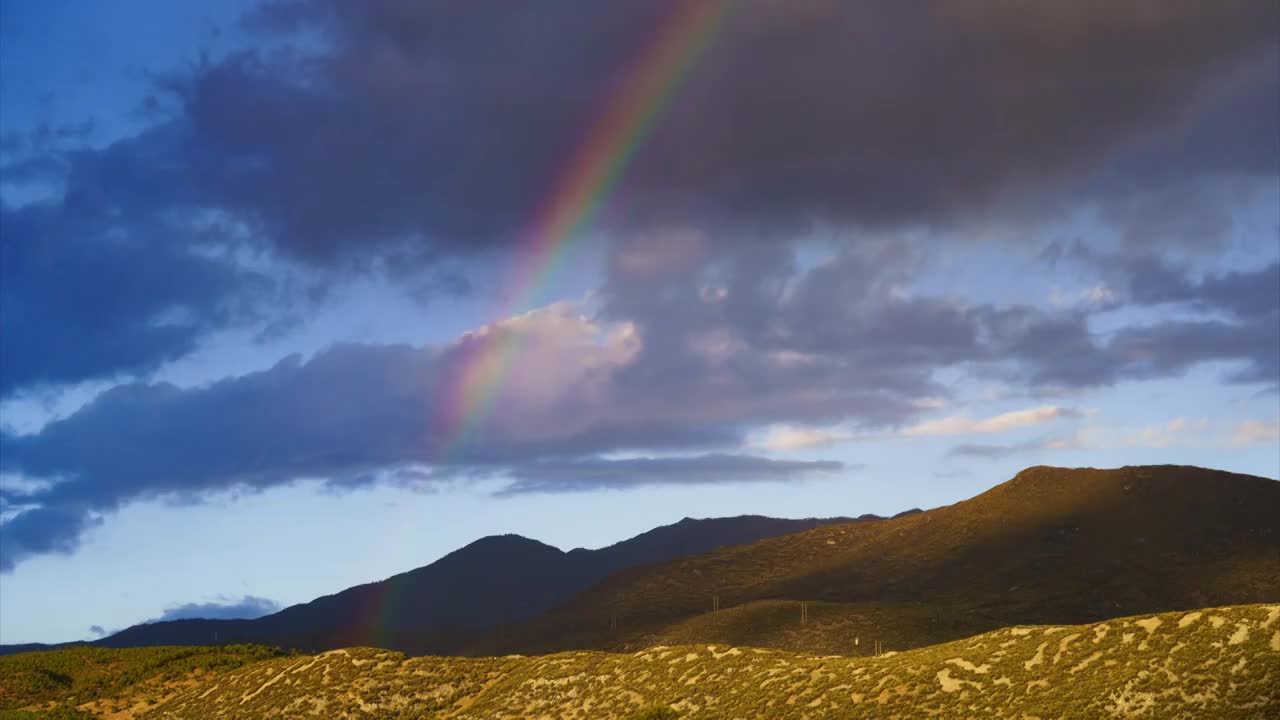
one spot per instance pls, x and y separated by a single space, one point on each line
399 134
396 138
692 361
245 608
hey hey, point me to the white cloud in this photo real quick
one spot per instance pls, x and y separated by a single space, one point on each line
1175 432
792 437
961 424
1256 432
1092 297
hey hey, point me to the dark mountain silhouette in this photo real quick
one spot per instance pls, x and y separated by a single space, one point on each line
494 580
37 647
1050 546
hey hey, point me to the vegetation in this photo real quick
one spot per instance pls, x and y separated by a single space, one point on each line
1211 663
57 682
1050 546
53 713
657 712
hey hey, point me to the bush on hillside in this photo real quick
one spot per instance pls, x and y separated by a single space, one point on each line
657 712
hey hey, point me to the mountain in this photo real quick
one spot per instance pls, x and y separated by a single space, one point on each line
1051 545
494 580
1217 663
37 647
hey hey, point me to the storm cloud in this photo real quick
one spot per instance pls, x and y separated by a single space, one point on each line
400 134
396 138
842 113
679 377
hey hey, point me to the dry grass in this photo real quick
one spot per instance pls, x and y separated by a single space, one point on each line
1219 663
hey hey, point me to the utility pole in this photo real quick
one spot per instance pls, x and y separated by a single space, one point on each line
715 602
804 613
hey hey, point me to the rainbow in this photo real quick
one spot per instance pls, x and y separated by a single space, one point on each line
629 117
474 382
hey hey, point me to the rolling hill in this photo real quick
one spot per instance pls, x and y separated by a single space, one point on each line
1050 546
497 579
76 676
1221 663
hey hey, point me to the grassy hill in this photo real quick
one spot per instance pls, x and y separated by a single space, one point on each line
1212 663
1050 546
73 676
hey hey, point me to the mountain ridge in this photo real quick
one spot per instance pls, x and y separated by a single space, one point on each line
494 579
1050 545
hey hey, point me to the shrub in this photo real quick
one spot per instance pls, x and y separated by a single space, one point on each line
657 712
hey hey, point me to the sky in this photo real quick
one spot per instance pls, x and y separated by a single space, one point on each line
300 294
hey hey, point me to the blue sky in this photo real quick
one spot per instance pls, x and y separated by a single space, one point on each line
246 246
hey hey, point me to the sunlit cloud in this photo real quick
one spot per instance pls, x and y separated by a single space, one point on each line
1256 432
792 437
961 424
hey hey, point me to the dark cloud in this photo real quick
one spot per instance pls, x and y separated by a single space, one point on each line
846 324
110 278
999 452
670 363
35 142
445 125
246 608
1060 350
97 630
1170 348
582 387
1229 316
42 170
52 528
397 134
1152 279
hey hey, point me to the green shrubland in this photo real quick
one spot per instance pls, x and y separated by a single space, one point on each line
73 676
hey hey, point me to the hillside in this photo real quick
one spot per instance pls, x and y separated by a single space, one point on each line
1051 545
73 676
38 647
1219 663
497 579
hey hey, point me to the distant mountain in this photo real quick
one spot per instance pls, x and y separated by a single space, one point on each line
1050 546
494 580
37 647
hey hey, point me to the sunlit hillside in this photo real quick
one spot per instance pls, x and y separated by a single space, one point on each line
1211 663
1051 545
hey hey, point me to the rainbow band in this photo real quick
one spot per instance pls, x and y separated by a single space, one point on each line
629 119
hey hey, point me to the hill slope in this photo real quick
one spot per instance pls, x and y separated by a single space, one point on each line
497 579
81 674
1219 663
1051 545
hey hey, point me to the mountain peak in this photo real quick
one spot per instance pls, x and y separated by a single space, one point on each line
504 540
